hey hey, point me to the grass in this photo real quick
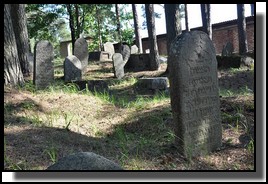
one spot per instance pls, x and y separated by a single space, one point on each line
128 125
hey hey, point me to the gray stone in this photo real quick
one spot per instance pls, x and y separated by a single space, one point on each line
228 49
109 47
157 83
247 61
195 94
118 65
72 69
162 59
99 56
84 161
138 62
125 52
43 65
134 49
81 52
31 62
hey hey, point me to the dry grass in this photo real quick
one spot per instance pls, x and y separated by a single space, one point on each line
130 126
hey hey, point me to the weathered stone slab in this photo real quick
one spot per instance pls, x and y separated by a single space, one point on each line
109 47
134 49
43 65
125 52
72 69
98 56
138 62
93 85
31 62
228 49
84 161
118 65
195 94
81 52
157 83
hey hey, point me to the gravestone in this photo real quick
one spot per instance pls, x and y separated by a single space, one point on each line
72 69
31 62
138 62
84 161
118 65
43 65
134 49
195 94
156 83
125 52
81 52
228 49
109 47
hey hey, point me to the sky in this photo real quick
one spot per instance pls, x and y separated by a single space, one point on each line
219 13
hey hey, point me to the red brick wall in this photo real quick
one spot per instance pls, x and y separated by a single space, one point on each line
220 36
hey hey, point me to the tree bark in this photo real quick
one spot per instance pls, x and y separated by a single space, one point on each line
252 7
173 23
154 55
19 22
137 28
186 18
118 27
12 72
241 25
77 21
71 24
205 12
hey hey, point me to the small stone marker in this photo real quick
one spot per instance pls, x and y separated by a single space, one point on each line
134 49
81 52
43 65
118 65
109 47
156 83
72 69
84 161
195 94
228 49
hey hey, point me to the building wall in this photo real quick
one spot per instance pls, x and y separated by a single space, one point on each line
220 36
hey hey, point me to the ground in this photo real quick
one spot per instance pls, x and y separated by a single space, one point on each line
131 126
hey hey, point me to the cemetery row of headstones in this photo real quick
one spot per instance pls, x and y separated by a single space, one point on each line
193 85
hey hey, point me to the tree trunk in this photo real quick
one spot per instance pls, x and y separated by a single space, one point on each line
173 25
186 18
205 12
77 21
99 28
154 56
71 23
19 22
118 27
252 9
12 72
137 28
241 25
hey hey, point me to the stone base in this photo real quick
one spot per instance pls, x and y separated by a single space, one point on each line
138 62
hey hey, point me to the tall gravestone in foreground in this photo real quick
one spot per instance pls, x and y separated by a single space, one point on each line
43 66
81 52
195 94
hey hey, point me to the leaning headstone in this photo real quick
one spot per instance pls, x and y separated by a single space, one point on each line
84 161
72 69
118 65
134 49
81 52
125 52
109 47
195 94
43 65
